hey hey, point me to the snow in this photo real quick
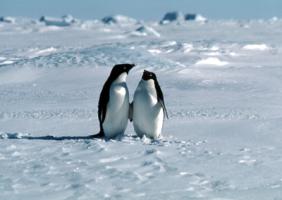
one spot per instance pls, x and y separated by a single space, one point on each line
32 53
200 18
211 61
256 47
222 88
6 62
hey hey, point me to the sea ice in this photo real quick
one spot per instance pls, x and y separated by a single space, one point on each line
221 84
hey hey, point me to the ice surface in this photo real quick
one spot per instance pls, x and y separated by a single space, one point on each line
222 86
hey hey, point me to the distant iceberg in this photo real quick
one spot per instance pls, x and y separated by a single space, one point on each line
172 17
65 20
195 17
146 31
179 17
119 19
10 20
190 17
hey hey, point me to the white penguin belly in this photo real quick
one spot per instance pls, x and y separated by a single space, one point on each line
148 115
117 111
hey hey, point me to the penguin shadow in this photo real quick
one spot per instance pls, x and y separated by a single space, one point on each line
16 136
120 138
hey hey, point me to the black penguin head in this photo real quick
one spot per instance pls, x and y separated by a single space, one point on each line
149 75
121 68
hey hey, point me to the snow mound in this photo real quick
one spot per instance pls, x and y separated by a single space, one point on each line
6 62
119 19
90 24
274 19
186 47
35 52
146 31
65 20
213 61
172 17
256 47
154 51
10 20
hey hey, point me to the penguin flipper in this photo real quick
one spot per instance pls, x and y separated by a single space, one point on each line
164 108
130 112
103 101
161 97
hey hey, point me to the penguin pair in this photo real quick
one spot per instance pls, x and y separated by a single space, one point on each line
147 111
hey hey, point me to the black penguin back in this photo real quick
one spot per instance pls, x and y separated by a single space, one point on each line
105 93
160 96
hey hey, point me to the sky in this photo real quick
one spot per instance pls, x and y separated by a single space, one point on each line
143 9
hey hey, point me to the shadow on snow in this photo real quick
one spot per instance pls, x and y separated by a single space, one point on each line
47 137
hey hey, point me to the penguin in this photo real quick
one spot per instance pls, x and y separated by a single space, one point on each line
148 107
113 106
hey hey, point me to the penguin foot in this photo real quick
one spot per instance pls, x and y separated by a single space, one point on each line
100 135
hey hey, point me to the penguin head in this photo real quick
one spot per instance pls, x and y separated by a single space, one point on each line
121 68
149 75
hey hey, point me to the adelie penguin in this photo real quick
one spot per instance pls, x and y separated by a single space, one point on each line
148 107
113 106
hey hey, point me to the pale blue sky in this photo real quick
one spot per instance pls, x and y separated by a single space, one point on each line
143 9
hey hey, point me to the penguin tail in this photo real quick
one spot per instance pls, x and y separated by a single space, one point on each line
130 112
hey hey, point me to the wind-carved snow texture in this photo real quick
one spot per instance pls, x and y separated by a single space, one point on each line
222 86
